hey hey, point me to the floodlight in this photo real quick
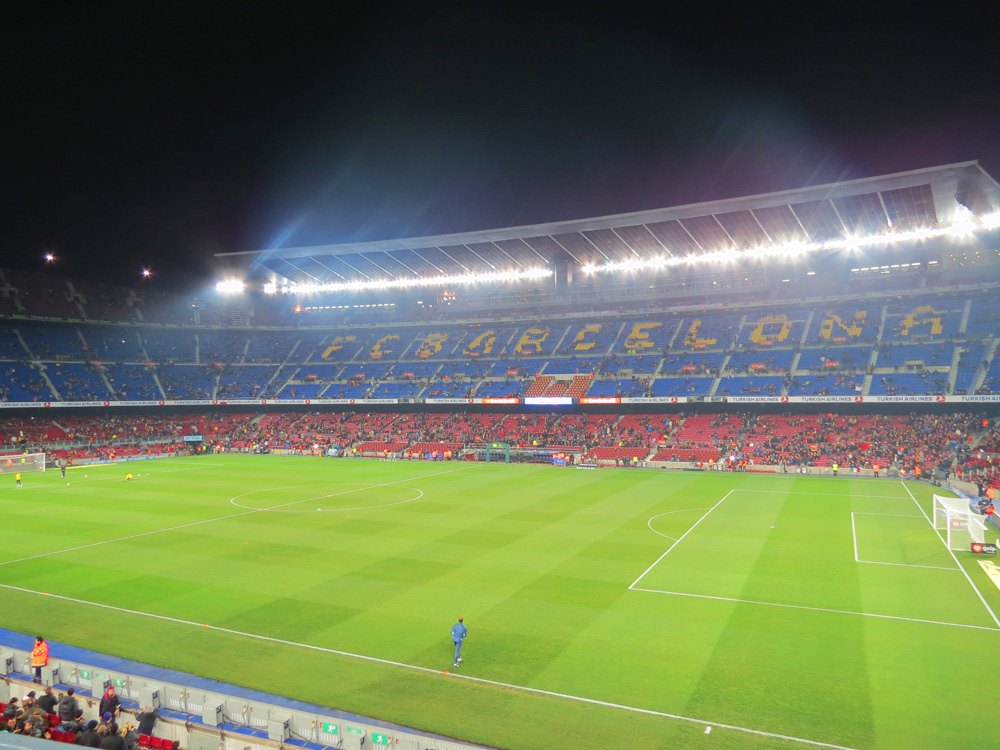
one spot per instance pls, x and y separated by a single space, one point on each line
991 221
229 286
270 288
469 278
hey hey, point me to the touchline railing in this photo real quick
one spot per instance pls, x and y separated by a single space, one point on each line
208 716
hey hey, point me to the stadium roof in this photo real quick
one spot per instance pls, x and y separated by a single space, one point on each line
905 201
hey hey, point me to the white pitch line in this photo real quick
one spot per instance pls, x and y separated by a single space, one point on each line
908 565
97 467
825 494
953 557
211 520
438 672
693 527
649 523
854 533
819 609
362 488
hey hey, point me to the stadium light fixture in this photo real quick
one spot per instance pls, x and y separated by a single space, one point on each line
146 273
471 278
800 249
50 258
229 286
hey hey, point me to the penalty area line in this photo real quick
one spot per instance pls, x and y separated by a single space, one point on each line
819 609
965 573
437 672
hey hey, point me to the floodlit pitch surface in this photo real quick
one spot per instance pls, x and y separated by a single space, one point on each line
624 607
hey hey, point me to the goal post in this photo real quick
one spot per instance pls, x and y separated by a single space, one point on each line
18 463
961 524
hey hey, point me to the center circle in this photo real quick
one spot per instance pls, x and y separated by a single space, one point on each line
286 506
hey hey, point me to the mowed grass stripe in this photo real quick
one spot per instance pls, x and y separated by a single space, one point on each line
899 540
818 662
811 674
538 559
477 712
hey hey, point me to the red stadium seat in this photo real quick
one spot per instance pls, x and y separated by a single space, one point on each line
145 740
158 743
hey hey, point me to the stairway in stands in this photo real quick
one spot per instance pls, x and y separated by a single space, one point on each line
537 388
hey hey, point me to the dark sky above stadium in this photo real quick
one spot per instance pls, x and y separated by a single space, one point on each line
156 135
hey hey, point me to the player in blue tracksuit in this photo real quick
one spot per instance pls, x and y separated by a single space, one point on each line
458 634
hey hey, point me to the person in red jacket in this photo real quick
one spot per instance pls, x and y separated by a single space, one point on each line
39 657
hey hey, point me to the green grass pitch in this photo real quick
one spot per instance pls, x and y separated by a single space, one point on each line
639 608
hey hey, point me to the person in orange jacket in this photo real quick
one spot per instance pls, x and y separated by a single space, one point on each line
39 657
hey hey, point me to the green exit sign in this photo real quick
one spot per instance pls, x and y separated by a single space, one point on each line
355 730
118 682
381 739
330 728
85 674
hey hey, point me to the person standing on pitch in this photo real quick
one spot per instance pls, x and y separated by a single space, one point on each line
458 634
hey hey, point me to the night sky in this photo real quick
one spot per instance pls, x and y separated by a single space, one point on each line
159 134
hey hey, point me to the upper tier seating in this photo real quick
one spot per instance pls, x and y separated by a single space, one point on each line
931 344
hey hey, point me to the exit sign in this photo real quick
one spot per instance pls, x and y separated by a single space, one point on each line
85 674
355 730
381 739
330 728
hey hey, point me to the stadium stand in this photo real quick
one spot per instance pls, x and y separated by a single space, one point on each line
81 361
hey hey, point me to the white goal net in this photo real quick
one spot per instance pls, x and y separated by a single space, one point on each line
17 463
961 525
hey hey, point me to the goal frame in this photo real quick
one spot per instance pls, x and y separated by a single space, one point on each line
961 524
18 463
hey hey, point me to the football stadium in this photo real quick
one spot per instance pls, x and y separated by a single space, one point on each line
718 475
